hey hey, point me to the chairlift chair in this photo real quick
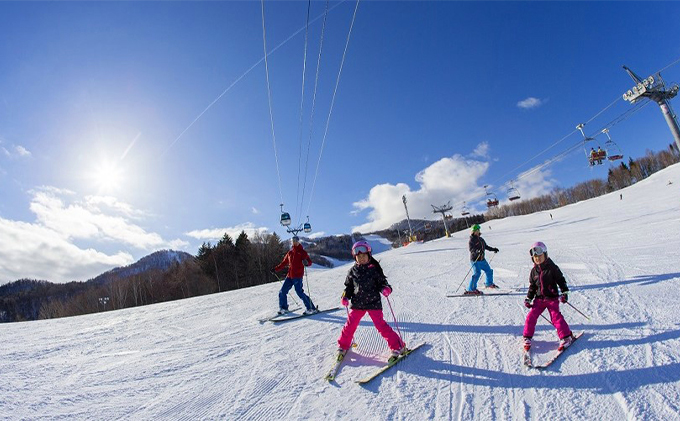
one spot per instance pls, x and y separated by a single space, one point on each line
465 211
613 150
490 203
513 193
594 157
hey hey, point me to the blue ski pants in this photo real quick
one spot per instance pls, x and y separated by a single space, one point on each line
287 285
477 268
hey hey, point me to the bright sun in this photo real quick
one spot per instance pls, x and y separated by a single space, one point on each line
107 176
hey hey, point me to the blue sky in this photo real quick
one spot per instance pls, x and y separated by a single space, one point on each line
128 127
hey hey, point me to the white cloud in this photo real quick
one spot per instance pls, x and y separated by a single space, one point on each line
217 233
46 248
535 182
481 151
529 103
449 179
21 151
86 220
16 151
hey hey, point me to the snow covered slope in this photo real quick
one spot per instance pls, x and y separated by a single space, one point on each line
210 358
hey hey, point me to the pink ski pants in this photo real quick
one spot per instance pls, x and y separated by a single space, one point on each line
345 339
553 306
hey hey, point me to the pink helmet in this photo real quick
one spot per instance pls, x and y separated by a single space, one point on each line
361 247
538 248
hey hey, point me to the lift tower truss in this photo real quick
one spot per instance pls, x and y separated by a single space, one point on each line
443 210
654 88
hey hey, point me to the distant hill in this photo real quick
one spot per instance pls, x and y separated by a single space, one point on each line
161 260
23 299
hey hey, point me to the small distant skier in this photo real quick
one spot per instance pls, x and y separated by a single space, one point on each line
364 283
477 245
544 280
295 260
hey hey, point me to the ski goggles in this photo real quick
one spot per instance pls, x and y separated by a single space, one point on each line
536 251
360 250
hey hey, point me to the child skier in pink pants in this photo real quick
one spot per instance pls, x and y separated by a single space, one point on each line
363 286
544 279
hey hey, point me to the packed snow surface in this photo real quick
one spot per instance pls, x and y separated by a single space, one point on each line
210 358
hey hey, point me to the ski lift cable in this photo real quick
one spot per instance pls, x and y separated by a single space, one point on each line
311 118
672 64
330 111
238 79
269 97
576 146
302 107
624 116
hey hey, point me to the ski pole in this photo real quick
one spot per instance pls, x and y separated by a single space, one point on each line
466 275
468 272
395 322
579 311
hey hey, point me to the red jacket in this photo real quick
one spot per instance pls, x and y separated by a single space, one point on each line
296 259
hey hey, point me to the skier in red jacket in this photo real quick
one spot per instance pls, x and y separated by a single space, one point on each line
296 259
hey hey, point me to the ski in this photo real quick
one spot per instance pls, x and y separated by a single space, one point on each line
297 316
486 294
270 318
333 372
389 365
557 354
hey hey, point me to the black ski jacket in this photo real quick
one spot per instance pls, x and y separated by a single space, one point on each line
477 245
544 280
363 286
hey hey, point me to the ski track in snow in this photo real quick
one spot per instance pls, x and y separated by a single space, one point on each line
209 357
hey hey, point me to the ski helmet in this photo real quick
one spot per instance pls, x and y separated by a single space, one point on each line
476 227
296 239
361 247
538 248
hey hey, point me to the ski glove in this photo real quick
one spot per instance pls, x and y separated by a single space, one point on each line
495 250
386 291
564 298
527 303
344 301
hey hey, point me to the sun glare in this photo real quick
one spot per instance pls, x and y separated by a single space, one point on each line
107 177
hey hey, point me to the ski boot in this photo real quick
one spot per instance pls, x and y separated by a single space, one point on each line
565 342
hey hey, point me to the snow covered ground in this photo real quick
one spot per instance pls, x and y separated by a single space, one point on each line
210 358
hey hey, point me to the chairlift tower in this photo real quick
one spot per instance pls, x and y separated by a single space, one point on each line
443 210
408 219
655 89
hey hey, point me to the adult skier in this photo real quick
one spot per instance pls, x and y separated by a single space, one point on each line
295 260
